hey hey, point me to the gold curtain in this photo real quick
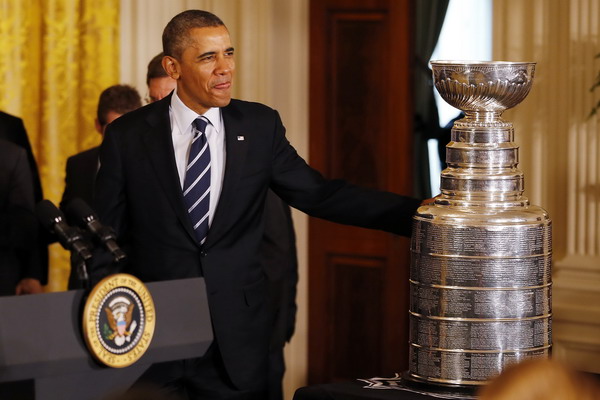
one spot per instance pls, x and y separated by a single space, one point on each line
56 56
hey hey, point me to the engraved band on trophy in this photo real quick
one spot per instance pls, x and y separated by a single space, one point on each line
481 255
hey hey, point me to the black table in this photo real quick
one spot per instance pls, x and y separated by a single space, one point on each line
356 391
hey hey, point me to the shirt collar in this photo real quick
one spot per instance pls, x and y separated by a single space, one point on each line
184 116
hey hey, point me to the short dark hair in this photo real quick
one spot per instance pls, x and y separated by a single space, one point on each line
155 68
175 36
118 98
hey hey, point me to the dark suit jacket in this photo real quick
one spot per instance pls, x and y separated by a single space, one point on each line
13 130
80 175
138 193
279 259
18 225
79 183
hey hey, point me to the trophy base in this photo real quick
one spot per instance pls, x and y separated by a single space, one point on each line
451 390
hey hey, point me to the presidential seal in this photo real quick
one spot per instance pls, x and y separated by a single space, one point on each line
118 320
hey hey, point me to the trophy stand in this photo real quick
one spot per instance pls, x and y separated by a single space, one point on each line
481 255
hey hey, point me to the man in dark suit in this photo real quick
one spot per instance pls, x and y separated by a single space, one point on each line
277 251
113 102
140 192
13 130
21 270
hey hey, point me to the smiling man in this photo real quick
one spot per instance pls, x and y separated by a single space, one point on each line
184 181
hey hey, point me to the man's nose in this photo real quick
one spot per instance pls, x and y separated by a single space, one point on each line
225 65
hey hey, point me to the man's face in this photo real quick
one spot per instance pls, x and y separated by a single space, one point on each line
205 71
159 88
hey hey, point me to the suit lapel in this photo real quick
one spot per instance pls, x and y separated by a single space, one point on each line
159 146
235 158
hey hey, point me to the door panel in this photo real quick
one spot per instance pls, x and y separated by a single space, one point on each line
360 130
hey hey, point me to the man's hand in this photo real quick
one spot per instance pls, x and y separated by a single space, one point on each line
28 286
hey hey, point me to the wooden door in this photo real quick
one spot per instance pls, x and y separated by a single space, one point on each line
360 130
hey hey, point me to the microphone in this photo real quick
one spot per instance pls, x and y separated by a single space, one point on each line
54 220
78 210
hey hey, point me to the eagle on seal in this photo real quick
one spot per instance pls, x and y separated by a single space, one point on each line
120 320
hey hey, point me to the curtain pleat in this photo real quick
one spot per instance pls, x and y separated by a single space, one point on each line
429 18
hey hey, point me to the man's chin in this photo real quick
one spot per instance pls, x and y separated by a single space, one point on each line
223 102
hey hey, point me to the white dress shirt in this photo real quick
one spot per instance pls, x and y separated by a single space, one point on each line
182 135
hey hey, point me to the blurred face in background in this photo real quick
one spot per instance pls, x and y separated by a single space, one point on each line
159 88
110 117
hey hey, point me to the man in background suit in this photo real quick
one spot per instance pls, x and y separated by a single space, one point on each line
81 169
13 130
139 192
159 83
277 251
21 269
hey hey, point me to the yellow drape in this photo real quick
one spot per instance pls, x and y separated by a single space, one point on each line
56 56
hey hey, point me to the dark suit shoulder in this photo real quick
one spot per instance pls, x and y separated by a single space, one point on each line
4 117
13 130
85 156
252 116
150 112
80 175
10 153
248 107
141 120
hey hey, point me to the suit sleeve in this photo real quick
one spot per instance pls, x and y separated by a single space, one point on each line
22 140
14 131
109 201
22 224
68 192
335 200
279 259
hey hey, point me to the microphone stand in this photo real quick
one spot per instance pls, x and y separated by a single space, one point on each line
82 271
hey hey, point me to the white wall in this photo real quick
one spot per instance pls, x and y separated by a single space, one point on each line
559 154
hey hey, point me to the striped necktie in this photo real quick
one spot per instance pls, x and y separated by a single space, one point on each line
196 186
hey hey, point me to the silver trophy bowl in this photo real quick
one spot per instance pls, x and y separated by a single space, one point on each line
481 254
481 88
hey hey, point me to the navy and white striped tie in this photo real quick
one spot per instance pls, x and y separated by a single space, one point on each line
196 186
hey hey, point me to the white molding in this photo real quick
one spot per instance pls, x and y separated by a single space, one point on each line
559 150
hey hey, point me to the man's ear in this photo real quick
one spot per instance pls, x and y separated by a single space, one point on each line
171 66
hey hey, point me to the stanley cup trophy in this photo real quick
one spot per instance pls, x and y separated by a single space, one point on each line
480 283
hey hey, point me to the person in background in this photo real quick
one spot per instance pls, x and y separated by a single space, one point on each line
277 251
160 84
21 269
81 168
13 130
541 379
184 182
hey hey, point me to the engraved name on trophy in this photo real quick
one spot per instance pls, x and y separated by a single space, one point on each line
480 279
